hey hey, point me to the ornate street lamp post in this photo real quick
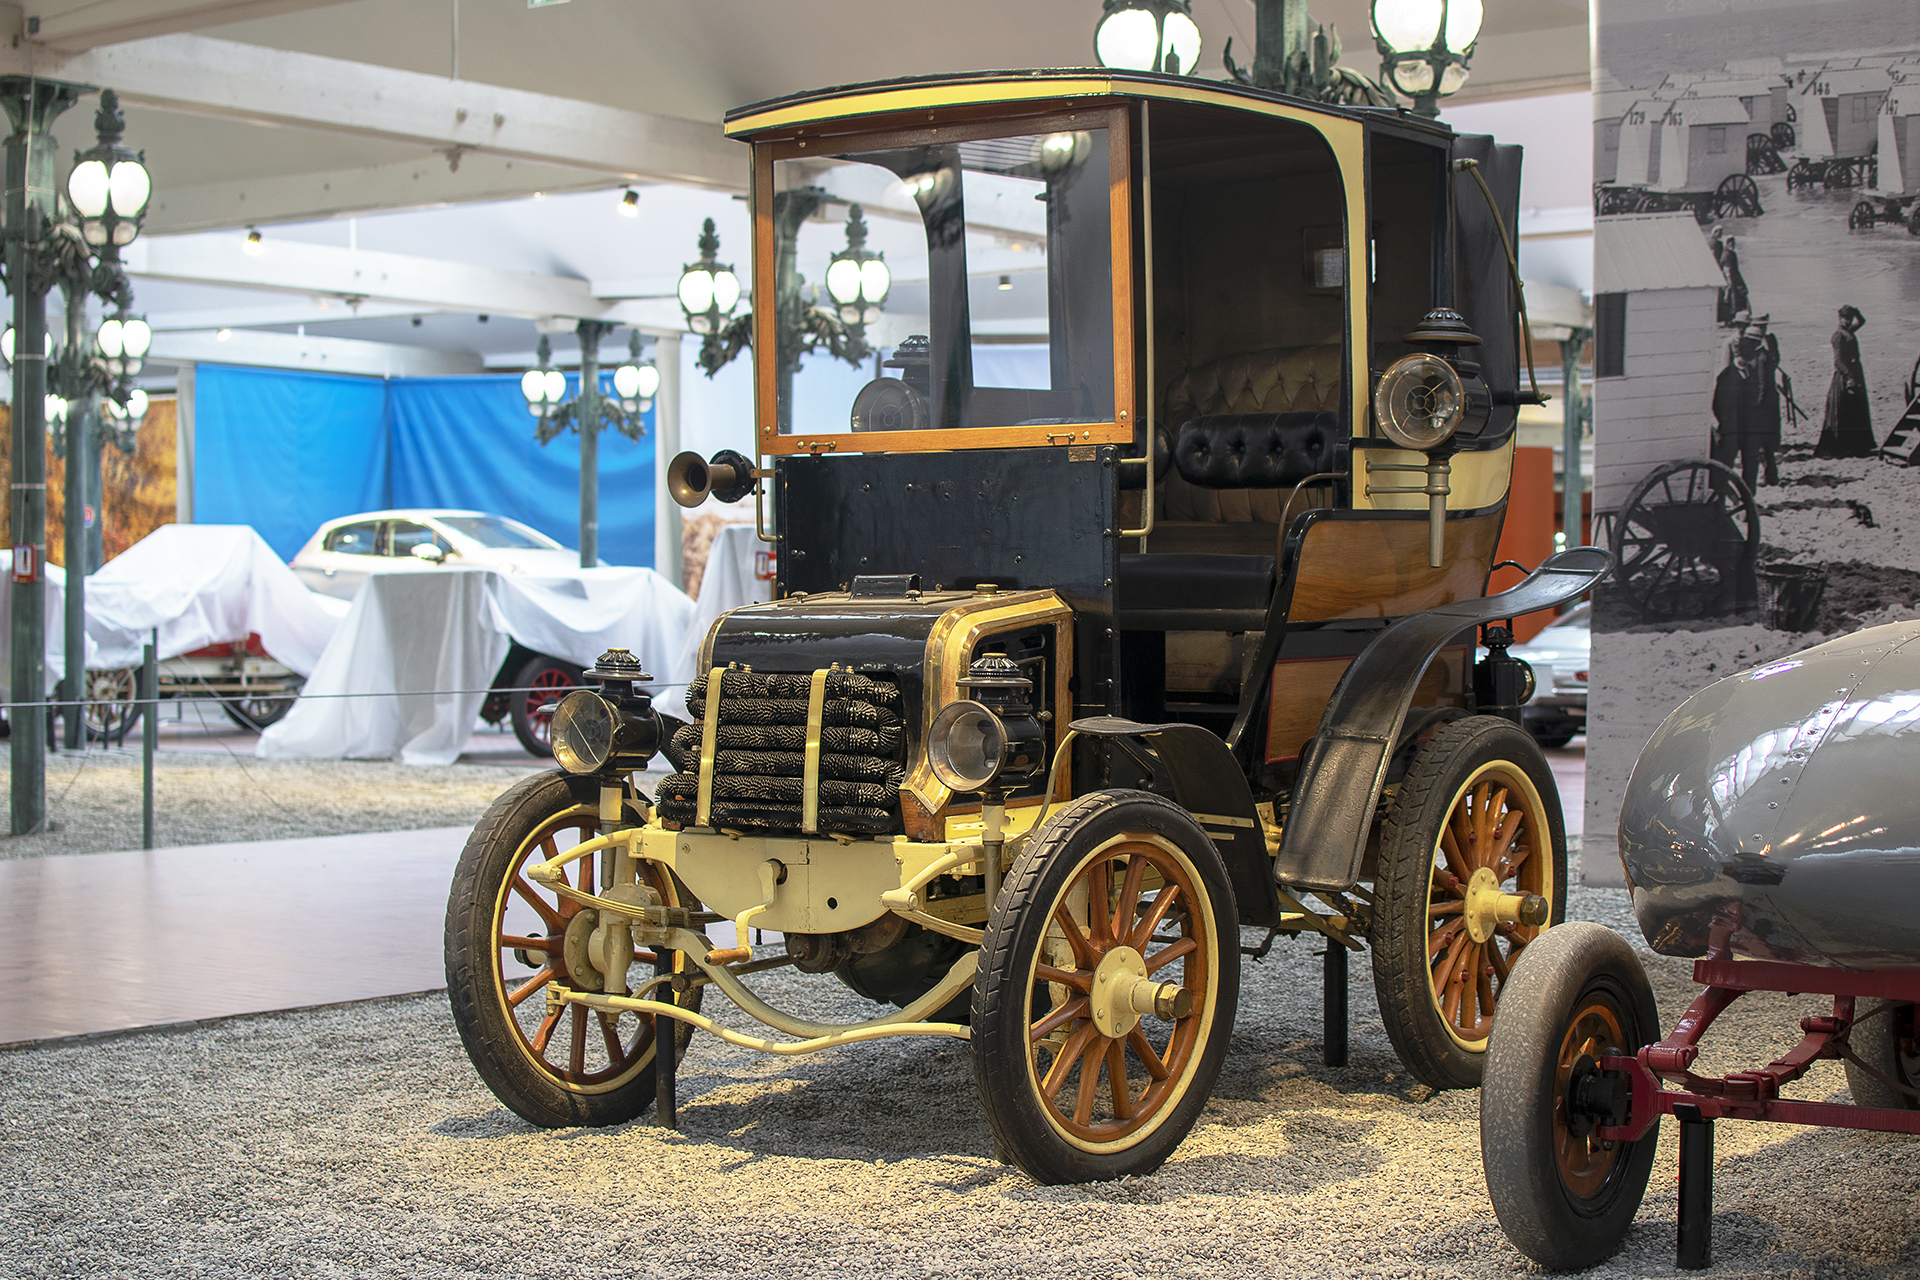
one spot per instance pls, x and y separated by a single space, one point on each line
588 413
857 285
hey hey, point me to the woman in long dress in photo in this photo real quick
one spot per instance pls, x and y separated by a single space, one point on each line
1847 431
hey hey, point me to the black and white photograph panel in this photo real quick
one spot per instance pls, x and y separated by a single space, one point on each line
1756 349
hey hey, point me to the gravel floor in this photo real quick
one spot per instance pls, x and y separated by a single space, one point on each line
357 1141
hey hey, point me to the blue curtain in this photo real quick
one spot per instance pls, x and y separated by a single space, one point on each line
464 442
283 451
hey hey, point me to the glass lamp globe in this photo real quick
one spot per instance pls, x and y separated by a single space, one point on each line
556 385
843 281
533 385
89 188
626 381
696 290
649 384
1148 35
128 188
110 339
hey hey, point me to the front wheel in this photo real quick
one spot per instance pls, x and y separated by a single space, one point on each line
112 704
1475 830
507 937
1106 990
1565 1197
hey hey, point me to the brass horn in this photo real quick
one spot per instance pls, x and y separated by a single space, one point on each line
692 479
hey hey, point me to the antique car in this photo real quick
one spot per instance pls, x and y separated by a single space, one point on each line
1767 832
1067 682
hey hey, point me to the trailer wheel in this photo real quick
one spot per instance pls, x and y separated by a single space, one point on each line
1737 196
1106 990
507 937
1476 821
543 680
1862 217
258 710
1885 1037
1913 221
1564 1197
112 704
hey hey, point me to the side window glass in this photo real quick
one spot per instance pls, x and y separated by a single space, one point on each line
353 539
403 536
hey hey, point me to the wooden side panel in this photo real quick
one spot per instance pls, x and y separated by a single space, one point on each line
1378 568
1302 688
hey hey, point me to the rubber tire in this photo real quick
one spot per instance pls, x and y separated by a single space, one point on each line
1558 1230
1022 1131
1874 1041
477 1012
1401 974
277 708
523 723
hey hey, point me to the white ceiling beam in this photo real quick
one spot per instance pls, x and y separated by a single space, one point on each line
82 24
198 75
298 351
301 197
393 279
290 266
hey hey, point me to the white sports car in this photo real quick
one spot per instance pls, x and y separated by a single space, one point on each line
338 558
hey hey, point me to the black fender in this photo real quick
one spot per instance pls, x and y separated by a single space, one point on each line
1210 785
1344 767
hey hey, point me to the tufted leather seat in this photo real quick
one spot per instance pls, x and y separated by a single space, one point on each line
1257 450
1279 381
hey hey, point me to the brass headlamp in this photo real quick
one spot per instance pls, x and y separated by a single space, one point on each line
614 726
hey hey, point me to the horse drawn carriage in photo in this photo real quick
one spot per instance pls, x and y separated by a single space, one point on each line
1066 683
1768 833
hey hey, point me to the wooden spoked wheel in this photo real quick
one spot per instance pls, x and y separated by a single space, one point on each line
1106 989
508 937
1103 1071
1491 843
1475 829
541 937
112 705
1565 1196
1686 542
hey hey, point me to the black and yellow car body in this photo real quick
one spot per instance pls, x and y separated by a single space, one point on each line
1172 642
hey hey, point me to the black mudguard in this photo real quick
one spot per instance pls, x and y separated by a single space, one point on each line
1209 784
1344 767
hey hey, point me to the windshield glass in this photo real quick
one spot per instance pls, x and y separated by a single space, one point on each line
493 531
994 307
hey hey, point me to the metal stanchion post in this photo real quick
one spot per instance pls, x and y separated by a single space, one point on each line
147 697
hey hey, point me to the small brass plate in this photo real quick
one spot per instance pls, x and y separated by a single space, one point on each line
1081 452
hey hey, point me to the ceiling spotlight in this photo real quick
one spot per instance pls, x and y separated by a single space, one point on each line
1006 282
222 335
417 322
253 240
630 203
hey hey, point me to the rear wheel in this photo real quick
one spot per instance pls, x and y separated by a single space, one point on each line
507 937
1475 830
1886 1039
1861 217
542 680
1565 1197
1106 990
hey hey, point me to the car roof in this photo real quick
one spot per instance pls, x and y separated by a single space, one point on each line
407 513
